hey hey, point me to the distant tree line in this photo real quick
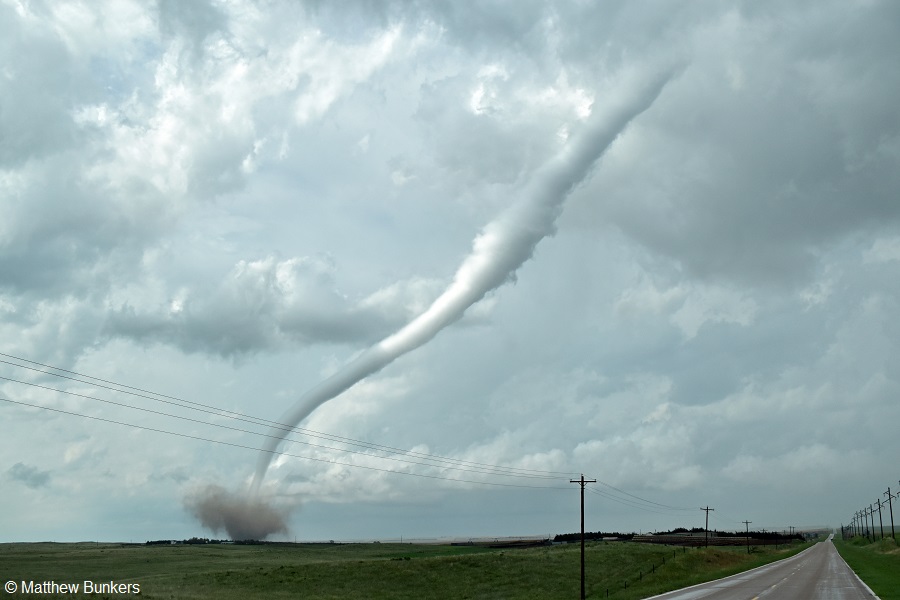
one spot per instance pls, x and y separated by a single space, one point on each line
592 535
759 535
197 541
193 541
627 537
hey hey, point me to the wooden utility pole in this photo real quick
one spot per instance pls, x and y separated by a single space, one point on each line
891 508
872 512
582 481
870 517
880 522
747 523
707 509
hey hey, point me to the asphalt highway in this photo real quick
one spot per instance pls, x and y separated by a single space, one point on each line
818 573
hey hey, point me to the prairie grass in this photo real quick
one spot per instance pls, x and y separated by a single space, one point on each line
377 571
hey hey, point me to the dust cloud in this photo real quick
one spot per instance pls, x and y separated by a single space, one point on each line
242 516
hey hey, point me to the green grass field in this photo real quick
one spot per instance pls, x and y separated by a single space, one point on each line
376 570
877 564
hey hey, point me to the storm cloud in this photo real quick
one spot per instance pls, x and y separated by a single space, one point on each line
228 202
28 475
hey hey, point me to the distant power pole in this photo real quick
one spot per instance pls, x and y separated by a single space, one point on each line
880 522
582 481
891 508
747 523
870 532
707 509
872 512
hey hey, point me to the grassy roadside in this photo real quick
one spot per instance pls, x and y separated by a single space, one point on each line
377 570
878 564
699 566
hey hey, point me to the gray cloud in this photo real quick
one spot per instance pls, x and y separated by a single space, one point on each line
270 304
39 87
194 21
777 163
28 475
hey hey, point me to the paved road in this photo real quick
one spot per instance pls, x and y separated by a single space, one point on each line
818 573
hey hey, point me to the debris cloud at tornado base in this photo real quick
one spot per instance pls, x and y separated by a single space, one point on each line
497 252
241 516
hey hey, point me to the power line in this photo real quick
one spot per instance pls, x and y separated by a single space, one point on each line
207 409
443 462
500 471
666 506
630 503
624 501
312 458
725 518
485 470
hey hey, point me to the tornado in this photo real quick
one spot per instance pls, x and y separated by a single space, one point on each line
503 246
240 516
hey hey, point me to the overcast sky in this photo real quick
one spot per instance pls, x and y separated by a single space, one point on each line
226 202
